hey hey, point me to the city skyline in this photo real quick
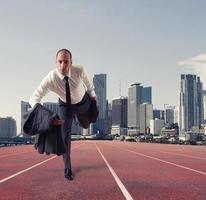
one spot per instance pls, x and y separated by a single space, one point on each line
142 98
131 42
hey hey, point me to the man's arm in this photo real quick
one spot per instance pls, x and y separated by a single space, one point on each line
40 92
88 83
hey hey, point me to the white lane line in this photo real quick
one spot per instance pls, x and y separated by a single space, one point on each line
14 154
117 179
180 154
29 168
164 161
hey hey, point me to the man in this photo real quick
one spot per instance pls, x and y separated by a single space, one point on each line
71 83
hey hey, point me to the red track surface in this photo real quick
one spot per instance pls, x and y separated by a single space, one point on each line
145 171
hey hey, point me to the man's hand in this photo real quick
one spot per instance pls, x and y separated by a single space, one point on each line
94 98
58 122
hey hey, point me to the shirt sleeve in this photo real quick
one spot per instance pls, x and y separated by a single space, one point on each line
88 83
40 92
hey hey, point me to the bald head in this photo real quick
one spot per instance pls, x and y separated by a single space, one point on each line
63 61
64 51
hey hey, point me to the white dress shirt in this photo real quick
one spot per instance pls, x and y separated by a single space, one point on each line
79 82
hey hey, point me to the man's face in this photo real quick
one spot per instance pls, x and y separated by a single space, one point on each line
63 62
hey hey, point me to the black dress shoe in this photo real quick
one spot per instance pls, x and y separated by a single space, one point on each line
68 174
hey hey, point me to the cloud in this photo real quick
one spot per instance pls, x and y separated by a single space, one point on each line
196 65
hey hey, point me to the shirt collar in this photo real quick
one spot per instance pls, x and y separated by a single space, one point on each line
62 76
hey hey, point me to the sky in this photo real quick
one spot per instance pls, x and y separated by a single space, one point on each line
150 41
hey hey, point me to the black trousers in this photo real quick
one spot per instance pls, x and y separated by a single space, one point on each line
77 109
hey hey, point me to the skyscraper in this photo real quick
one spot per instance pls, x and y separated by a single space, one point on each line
119 115
100 87
200 102
176 115
204 104
147 95
146 114
169 114
108 117
158 114
191 102
135 93
8 127
24 109
156 125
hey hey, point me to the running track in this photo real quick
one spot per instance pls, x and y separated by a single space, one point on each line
105 170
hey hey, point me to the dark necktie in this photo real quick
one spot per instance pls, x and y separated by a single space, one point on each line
68 97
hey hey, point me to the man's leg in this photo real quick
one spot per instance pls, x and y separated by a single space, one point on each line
67 155
66 137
